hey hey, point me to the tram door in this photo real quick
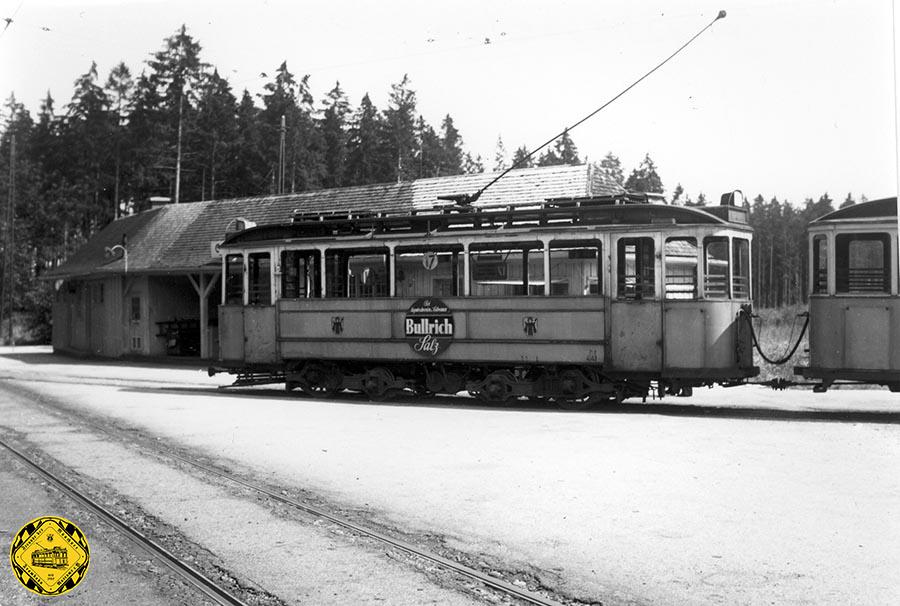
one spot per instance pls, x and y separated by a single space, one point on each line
231 312
635 308
247 319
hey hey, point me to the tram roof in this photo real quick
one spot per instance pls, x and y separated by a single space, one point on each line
619 209
884 208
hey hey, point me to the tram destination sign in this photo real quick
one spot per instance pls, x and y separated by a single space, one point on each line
428 327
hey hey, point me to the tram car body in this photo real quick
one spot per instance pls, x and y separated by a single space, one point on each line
56 557
854 304
574 301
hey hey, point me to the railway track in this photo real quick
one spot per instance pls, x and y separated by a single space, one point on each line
188 573
210 588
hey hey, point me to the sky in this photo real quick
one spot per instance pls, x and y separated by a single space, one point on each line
789 99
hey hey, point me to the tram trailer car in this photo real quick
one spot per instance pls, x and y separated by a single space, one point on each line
574 301
854 304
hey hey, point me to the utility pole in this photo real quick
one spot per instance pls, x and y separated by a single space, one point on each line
281 157
178 152
10 241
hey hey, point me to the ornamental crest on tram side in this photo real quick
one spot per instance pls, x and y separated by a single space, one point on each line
428 327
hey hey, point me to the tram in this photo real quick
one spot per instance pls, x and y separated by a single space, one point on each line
574 301
854 303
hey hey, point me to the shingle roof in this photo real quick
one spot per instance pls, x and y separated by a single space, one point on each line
177 237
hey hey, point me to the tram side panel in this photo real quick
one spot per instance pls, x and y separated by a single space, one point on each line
704 338
857 334
502 331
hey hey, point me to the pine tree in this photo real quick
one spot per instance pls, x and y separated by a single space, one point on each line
472 165
521 159
612 169
500 156
430 151
644 178
848 201
369 158
401 122
334 128
451 142
217 132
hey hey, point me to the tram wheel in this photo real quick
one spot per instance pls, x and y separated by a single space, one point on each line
497 387
319 380
378 383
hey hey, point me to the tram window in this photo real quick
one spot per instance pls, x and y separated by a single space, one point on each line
681 268
820 265
259 280
716 267
635 268
428 271
575 267
740 277
862 263
300 274
234 279
356 273
506 270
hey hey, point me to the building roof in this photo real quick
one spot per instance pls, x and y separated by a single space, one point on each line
176 238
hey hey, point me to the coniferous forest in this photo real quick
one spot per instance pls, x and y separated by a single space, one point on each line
176 129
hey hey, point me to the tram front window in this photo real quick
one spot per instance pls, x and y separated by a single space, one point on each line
740 279
863 263
716 267
234 279
820 265
681 268
636 268
259 281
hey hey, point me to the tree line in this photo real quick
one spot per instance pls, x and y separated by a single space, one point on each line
177 131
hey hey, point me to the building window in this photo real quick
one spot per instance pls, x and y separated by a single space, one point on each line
357 273
300 277
863 263
137 343
428 271
575 267
636 268
135 314
681 268
259 282
740 260
506 270
715 265
234 279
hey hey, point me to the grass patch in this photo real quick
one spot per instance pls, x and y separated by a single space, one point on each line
777 331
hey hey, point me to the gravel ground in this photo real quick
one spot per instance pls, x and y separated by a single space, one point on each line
739 496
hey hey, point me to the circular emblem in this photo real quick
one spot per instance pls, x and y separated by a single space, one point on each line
50 555
429 327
